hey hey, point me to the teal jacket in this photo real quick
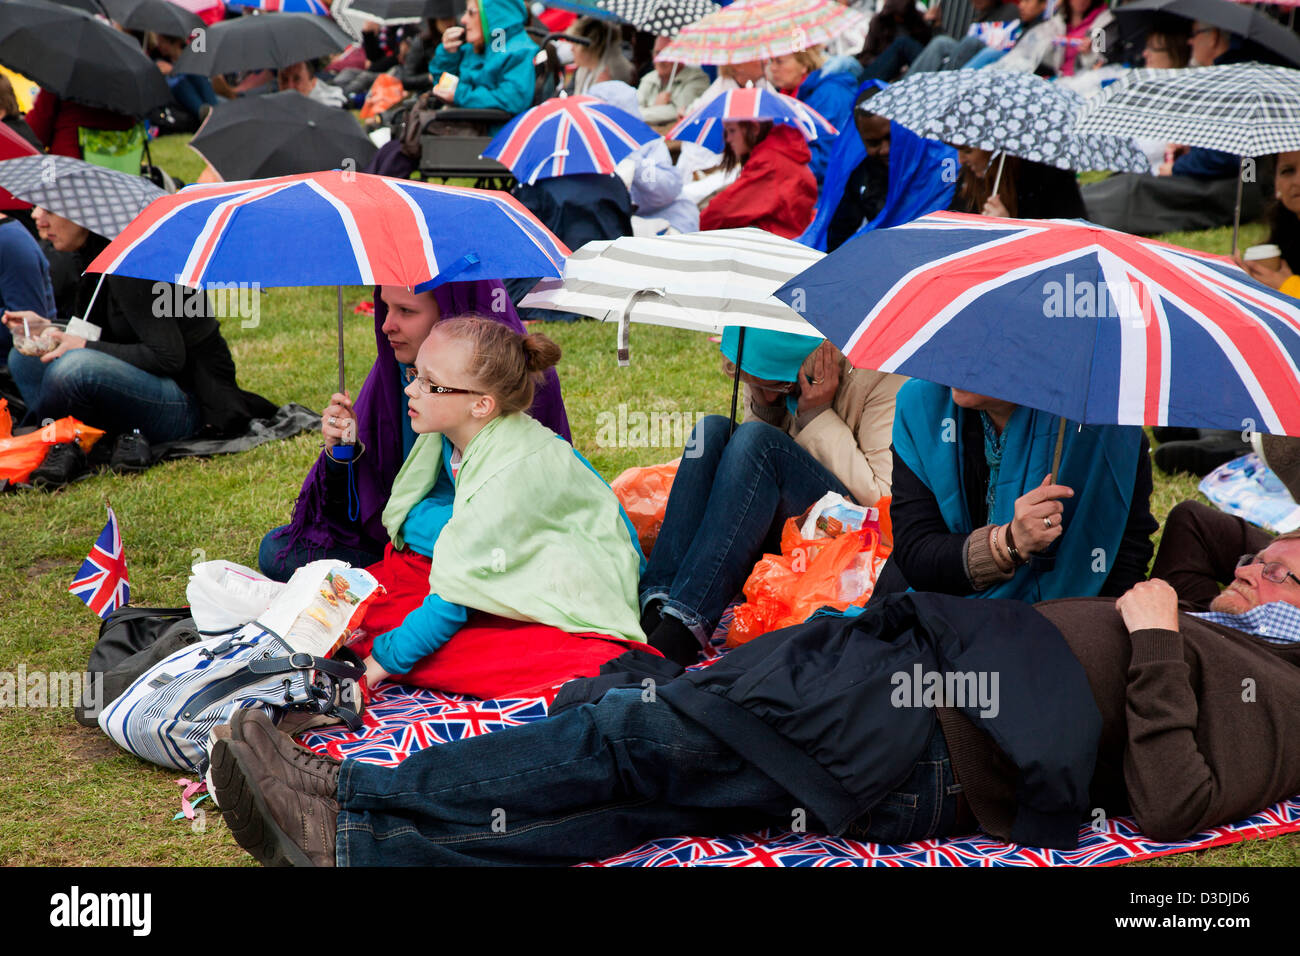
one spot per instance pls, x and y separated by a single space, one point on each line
501 77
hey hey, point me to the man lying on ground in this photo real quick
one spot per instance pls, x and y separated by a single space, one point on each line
1191 723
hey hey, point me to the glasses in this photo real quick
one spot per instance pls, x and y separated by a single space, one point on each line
1197 33
1273 571
433 388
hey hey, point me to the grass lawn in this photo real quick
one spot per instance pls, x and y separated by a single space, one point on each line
69 795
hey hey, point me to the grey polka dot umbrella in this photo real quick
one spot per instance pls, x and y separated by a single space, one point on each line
1016 113
661 17
102 200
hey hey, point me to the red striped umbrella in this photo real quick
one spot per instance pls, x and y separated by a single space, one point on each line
704 126
750 30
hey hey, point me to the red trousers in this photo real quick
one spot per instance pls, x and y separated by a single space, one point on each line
490 656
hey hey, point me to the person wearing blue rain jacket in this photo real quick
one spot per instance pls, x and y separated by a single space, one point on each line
830 94
491 56
921 177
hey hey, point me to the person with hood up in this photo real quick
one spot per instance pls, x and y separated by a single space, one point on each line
800 75
775 191
491 57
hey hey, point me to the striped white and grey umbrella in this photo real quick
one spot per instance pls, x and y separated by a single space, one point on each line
1246 109
102 200
703 281
1019 114
663 18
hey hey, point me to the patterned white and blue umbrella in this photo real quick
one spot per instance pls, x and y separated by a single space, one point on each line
663 18
704 126
1017 113
567 135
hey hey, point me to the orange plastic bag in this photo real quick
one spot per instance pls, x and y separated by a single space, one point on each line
786 589
20 456
643 493
385 93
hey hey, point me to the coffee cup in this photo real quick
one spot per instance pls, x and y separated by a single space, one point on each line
1268 255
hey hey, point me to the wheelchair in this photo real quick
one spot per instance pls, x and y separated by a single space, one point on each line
457 153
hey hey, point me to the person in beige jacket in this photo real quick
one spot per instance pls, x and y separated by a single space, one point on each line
812 424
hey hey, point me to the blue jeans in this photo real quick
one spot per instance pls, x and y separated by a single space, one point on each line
945 53
589 783
104 391
300 553
727 505
192 91
983 58
889 64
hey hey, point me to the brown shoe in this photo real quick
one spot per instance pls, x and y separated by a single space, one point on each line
271 819
305 769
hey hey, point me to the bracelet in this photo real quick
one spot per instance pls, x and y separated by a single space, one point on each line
1011 549
997 556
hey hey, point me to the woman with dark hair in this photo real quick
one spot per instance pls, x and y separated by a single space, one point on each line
1026 190
775 191
1284 230
600 59
1081 24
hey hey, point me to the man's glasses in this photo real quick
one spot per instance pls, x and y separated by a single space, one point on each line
433 388
1277 573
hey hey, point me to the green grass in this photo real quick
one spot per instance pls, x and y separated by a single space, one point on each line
71 797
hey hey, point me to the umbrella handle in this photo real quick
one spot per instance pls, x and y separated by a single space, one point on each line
624 325
1236 214
735 382
997 180
1056 456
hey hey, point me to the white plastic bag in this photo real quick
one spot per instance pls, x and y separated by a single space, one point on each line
224 595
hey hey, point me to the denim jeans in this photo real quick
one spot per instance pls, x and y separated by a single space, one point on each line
726 507
104 391
889 64
589 783
300 553
191 91
945 53
983 58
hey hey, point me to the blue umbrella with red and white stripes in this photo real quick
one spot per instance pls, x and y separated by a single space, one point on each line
286 6
567 135
1094 325
704 126
333 228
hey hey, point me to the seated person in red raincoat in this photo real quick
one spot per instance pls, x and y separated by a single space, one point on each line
775 191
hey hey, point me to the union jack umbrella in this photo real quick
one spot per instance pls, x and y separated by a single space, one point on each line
353 229
750 30
287 6
1094 325
704 126
567 135
101 581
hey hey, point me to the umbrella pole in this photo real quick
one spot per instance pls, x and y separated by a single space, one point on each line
1236 214
673 73
1056 456
342 380
735 382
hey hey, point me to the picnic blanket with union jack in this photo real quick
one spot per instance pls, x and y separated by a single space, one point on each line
403 720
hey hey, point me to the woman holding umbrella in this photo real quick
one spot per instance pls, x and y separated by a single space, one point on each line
1014 187
977 512
1284 231
332 519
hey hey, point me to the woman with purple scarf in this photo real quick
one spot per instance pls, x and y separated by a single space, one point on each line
339 510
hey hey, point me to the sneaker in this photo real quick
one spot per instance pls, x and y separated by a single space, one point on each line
64 463
131 452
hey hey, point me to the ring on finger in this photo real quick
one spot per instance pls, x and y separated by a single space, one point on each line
334 422
1047 521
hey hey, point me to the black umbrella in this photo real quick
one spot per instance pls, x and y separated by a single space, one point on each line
79 58
259 42
158 16
1237 18
280 135
90 6
390 12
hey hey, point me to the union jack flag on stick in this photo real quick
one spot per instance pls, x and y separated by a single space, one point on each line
101 581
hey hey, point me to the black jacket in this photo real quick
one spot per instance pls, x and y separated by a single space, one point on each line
816 706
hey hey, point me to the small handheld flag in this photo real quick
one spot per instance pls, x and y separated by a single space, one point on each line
101 581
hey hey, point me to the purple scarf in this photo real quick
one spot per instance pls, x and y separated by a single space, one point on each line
379 412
